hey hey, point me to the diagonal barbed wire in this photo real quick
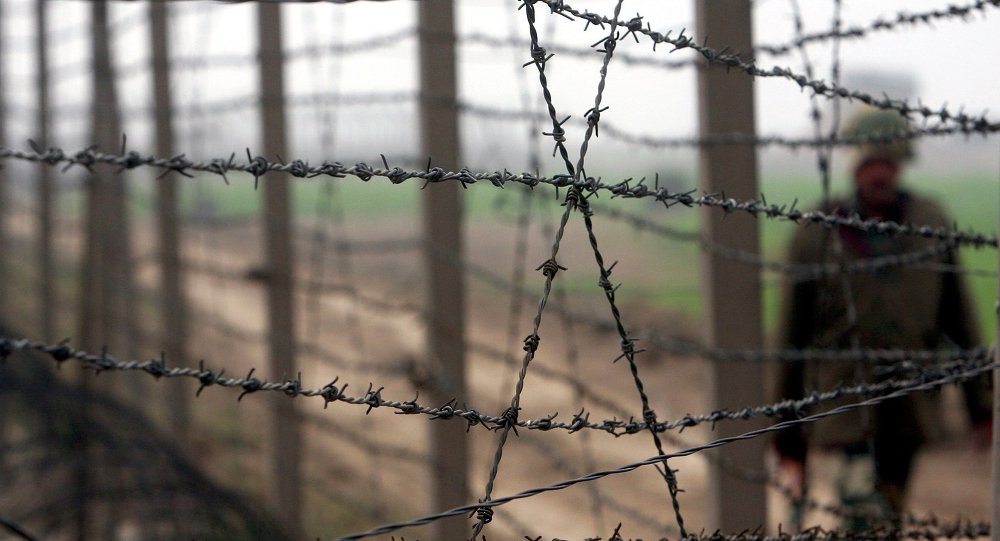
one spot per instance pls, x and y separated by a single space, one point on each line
562 485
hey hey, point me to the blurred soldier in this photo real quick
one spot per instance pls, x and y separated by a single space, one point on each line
895 307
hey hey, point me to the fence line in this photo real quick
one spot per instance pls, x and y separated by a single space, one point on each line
909 372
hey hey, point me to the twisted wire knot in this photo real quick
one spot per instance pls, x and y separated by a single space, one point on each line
298 168
294 386
85 157
557 133
206 377
628 346
373 397
250 385
61 353
509 418
539 56
605 284
549 268
531 342
574 198
485 514
331 393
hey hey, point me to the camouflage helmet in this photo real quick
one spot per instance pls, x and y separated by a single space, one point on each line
869 122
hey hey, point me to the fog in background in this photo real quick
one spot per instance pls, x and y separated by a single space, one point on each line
950 62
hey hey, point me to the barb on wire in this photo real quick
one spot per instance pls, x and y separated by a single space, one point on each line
562 485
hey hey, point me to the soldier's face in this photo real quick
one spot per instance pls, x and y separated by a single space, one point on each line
876 183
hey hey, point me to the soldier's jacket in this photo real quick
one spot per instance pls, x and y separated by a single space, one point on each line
904 307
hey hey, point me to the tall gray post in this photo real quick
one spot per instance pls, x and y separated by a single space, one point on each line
445 297
46 271
287 439
172 304
106 262
107 290
731 291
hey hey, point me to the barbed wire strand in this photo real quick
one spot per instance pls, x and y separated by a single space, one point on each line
260 166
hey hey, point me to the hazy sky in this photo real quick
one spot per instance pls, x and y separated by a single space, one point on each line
951 61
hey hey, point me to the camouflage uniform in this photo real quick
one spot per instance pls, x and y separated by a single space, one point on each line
896 307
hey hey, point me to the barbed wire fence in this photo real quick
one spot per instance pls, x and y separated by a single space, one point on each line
219 272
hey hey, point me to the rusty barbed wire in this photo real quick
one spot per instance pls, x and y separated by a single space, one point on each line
259 166
387 528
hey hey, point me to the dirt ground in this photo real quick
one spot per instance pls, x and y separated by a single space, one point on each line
363 470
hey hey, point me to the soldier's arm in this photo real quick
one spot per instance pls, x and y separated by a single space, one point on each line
957 321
